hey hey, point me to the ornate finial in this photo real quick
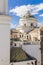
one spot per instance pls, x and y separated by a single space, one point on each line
27 15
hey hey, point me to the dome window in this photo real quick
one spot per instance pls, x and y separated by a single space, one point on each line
15 44
31 24
27 37
25 25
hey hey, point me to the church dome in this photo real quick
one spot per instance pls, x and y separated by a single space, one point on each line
28 19
27 22
28 16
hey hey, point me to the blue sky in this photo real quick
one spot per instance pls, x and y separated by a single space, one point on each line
17 8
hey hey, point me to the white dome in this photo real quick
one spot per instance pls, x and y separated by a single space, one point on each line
27 22
28 19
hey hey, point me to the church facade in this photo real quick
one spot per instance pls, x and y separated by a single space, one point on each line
27 23
27 29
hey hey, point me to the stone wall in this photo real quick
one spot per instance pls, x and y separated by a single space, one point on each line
41 33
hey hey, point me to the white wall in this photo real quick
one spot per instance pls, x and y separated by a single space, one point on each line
4 44
4 40
33 50
18 43
24 62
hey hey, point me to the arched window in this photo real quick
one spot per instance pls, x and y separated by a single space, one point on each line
32 63
27 37
31 24
25 25
15 44
20 36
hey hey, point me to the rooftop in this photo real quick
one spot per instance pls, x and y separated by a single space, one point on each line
18 54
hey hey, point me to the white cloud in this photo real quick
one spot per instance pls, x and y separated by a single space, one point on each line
37 8
13 25
21 10
41 15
